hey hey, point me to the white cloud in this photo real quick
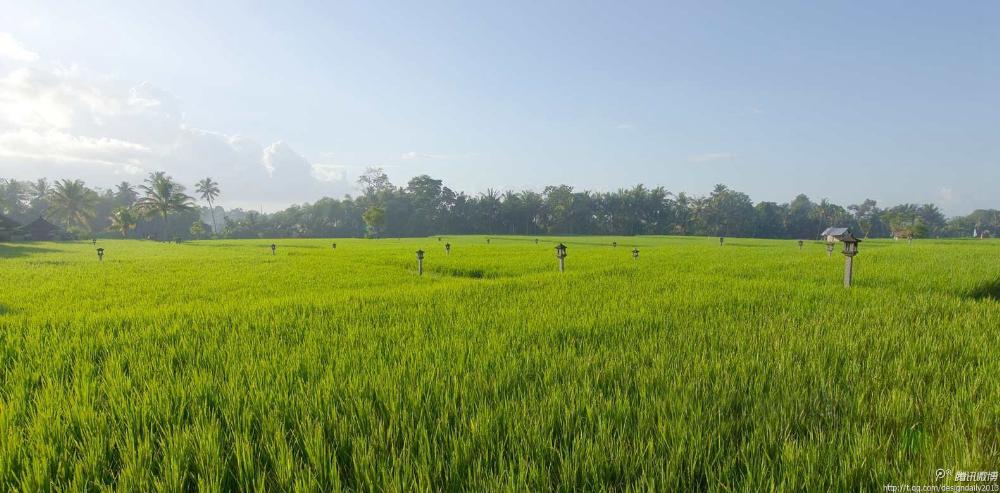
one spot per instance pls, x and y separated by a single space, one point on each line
60 121
331 172
61 147
13 49
711 157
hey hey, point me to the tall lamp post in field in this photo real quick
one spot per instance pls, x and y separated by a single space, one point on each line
635 254
100 255
561 255
420 262
850 242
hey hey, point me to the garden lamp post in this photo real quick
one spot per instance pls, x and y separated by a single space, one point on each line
561 255
93 241
334 246
420 262
447 248
635 254
273 248
850 250
721 240
800 244
100 255
614 244
829 249
487 241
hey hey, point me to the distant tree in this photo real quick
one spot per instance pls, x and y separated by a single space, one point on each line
73 204
683 220
208 189
374 219
123 220
374 182
162 197
13 198
866 214
125 194
198 229
931 219
903 220
426 204
558 208
801 220
489 210
727 213
769 220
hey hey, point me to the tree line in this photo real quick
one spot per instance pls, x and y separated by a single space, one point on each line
160 208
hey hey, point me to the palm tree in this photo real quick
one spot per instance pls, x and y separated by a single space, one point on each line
72 203
209 191
123 219
163 196
40 189
125 194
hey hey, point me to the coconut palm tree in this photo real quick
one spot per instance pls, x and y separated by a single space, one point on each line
208 189
123 219
125 194
162 197
72 203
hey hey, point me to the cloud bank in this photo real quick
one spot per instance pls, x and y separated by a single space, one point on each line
61 121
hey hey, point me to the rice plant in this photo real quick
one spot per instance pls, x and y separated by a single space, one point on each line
217 366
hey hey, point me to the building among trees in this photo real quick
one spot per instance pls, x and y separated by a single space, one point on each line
42 230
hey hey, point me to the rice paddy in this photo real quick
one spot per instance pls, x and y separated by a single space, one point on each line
219 366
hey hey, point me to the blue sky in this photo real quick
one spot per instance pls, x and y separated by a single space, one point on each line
896 101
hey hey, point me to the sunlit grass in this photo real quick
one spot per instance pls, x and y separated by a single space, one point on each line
218 366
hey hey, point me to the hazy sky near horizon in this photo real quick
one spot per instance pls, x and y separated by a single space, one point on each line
286 102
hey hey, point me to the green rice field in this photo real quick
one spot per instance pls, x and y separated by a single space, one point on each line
217 366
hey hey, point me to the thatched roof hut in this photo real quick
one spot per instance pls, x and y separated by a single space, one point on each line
42 230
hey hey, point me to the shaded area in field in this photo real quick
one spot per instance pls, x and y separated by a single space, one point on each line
12 251
989 290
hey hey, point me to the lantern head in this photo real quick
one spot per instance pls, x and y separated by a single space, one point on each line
420 254
561 251
851 247
635 253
